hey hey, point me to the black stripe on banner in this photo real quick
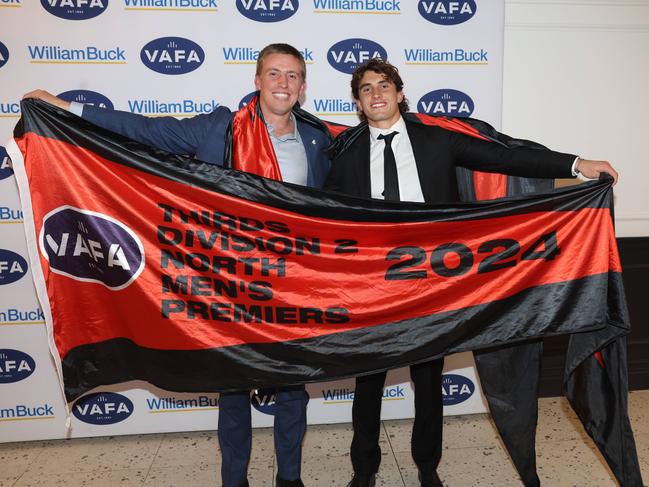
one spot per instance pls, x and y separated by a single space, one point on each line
554 309
49 121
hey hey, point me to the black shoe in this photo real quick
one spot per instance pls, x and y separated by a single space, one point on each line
430 479
280 482
359 480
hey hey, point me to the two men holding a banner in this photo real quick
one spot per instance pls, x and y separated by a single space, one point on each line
391 155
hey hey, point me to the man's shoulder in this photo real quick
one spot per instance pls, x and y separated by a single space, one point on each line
312 125
424 123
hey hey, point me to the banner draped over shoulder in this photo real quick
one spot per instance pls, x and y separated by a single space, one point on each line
196 278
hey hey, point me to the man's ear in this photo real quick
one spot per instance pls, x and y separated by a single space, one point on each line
400 96
301 96
257 83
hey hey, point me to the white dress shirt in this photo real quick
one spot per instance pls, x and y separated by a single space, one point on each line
409 186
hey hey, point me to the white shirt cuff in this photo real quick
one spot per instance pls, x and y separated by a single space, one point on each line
573 168
579 175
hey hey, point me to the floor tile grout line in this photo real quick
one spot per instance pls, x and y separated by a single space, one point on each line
272 480
387 435
148 472
29 465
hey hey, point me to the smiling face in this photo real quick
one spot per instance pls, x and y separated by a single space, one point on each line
280 83
379 99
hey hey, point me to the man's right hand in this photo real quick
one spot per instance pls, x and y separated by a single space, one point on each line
48 97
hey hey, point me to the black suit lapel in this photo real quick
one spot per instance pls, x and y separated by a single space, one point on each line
361 157
422 150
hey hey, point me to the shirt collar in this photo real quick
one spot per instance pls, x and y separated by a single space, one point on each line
399 126
291 136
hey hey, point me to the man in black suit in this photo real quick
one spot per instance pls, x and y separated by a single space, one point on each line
393 156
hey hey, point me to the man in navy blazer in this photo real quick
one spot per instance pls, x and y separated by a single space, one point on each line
393 156
298 144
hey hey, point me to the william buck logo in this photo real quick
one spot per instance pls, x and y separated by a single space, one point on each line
102 408
4 54
268 10
447 12
75 9
91 247
447 102
347 55
172 55
87 97
13 266
15 366
456 389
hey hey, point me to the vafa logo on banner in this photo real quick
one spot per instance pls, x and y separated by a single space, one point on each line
91 247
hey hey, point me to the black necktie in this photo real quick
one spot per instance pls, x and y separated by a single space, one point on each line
390 177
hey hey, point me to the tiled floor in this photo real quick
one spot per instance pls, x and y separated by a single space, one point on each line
473 455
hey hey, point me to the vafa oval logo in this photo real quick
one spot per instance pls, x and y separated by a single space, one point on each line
347 55
13 266
6 169
87 97
15 366
447 12
172 55
4 54
456 389
75 9
268 10
446 102
102 408
264 400
91 247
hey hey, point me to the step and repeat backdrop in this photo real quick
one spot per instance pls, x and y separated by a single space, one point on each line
181 58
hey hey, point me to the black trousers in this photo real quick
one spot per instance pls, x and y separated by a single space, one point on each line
426 431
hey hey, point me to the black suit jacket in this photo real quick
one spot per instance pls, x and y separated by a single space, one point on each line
438 152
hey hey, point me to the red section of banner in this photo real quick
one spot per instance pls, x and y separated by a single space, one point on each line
487 186
240 272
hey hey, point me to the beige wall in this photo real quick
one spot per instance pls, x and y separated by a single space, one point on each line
576 78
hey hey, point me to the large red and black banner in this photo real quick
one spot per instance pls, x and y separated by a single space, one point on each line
196 278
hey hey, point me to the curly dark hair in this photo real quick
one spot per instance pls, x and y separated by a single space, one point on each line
379 66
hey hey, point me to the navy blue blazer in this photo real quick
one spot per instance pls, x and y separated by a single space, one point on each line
203 136
438 152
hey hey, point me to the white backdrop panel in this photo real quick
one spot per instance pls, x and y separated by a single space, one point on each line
97 45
